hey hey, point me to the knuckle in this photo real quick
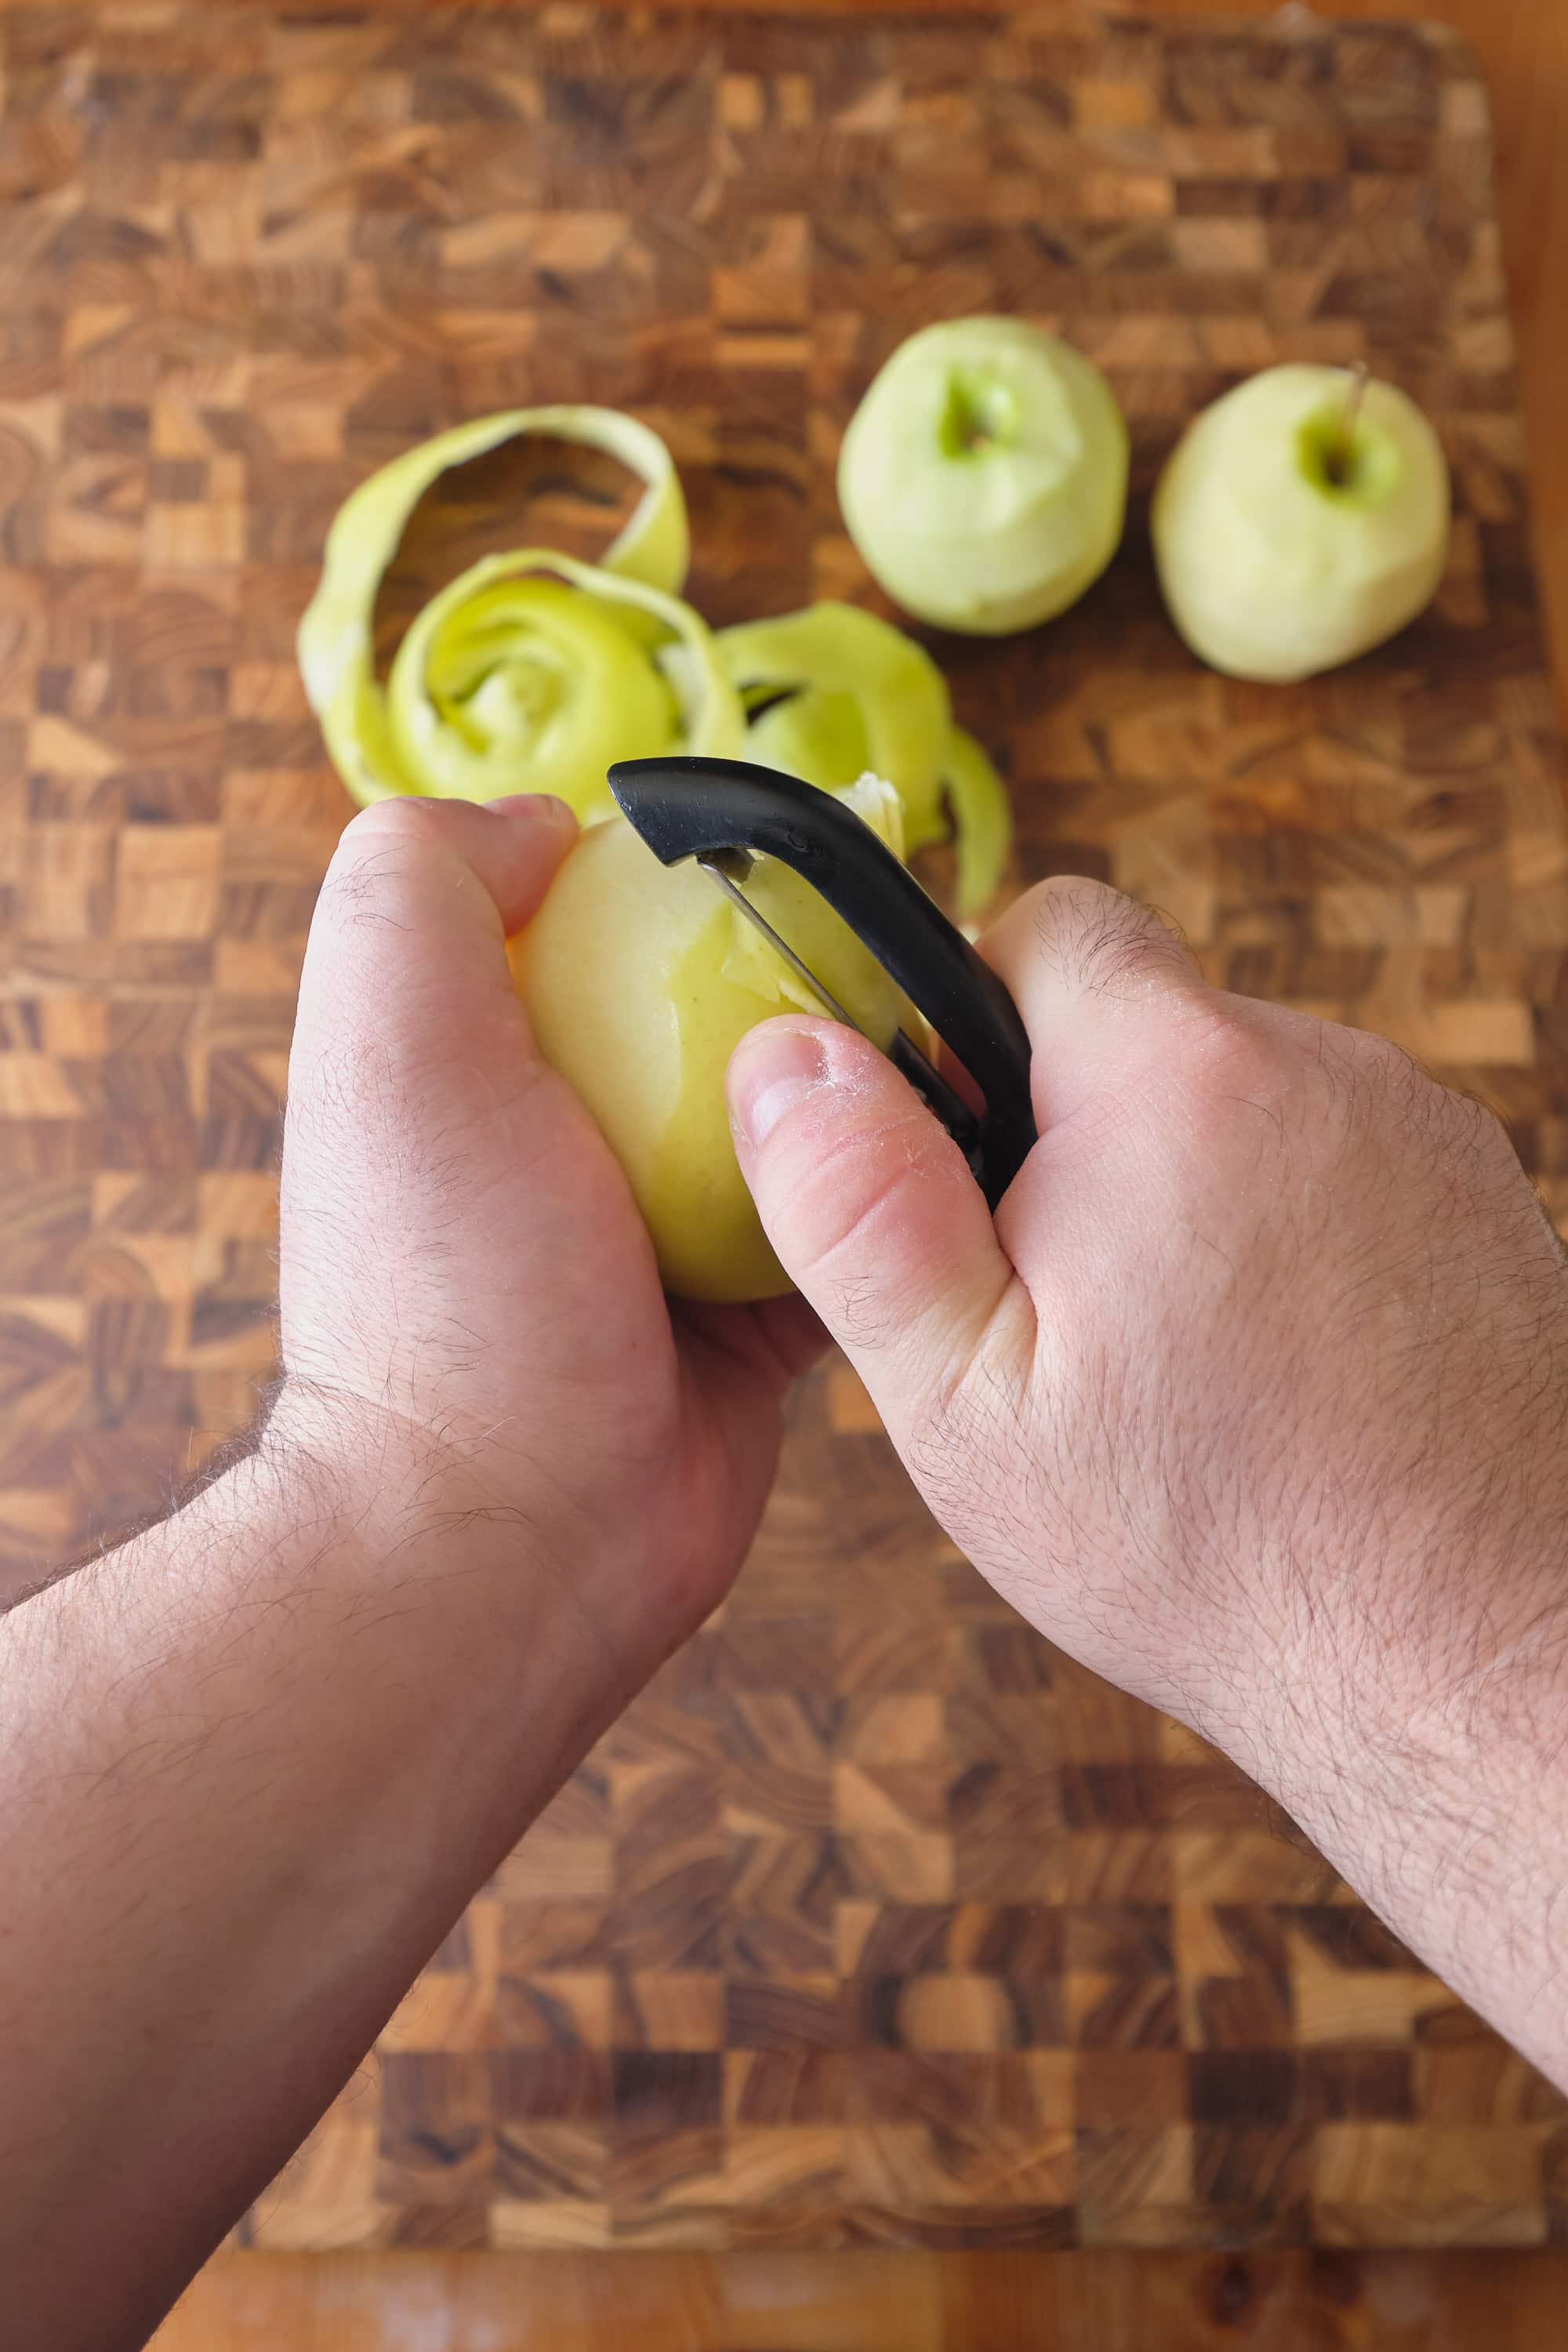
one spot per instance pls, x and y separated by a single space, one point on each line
404 816
1236 1074
1223 1046
1098 941
366 881
1391 1092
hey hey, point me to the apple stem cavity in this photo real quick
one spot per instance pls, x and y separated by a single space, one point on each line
977 414
1337 457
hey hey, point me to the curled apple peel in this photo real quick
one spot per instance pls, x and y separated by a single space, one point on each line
532 671
855 690
838 692
640 980
512 681
536 672
981 821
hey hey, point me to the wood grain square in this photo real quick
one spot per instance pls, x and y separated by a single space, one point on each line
1256 2164
764 1798
668 2009
1135 2087
436 2146
802 2012
1419 2185
1240 2012
903 1727
768 1945
920 1865
1239 2086
1118 1938
516 2226
1365 2005
557 2009
784 2164
166 882
446 2009
327 2192
551 2083
553 2163
1121 2168
980 1726
1122 2012
775 2087
1229 1940
900 2165
1463 2072
655 2166
667 2088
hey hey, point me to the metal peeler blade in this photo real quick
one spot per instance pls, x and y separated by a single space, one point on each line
717 864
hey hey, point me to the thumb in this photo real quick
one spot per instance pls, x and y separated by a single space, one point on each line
868 1202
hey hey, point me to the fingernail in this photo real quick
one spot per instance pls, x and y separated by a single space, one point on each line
543 807
772 1071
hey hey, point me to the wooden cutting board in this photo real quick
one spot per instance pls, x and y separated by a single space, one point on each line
875 1919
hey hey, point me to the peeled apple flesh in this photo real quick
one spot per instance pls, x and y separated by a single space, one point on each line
640 980
1286 545
984 476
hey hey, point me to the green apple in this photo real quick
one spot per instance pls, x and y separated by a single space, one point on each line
1301 520
983 477
640 980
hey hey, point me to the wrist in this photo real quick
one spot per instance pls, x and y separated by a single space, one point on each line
495 1572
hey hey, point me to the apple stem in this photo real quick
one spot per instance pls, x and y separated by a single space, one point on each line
1338 462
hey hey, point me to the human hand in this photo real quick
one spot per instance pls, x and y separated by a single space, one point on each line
473 1332
1253 1396
260 1757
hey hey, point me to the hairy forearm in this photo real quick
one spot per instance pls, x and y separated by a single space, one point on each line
1426 1751
255 1762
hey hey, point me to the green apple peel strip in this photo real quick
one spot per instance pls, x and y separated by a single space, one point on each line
533 672
510 680
982 822
857 695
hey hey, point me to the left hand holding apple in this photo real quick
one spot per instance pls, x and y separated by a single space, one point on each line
258 1760
472 1320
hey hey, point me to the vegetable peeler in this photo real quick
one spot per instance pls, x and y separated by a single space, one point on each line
726 812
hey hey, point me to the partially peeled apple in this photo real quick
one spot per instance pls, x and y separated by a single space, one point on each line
641 978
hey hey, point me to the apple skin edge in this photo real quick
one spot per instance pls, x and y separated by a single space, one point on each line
1284 547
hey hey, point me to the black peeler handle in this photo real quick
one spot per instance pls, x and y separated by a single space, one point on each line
683 806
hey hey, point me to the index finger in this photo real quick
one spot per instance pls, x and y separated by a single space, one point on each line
405 967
